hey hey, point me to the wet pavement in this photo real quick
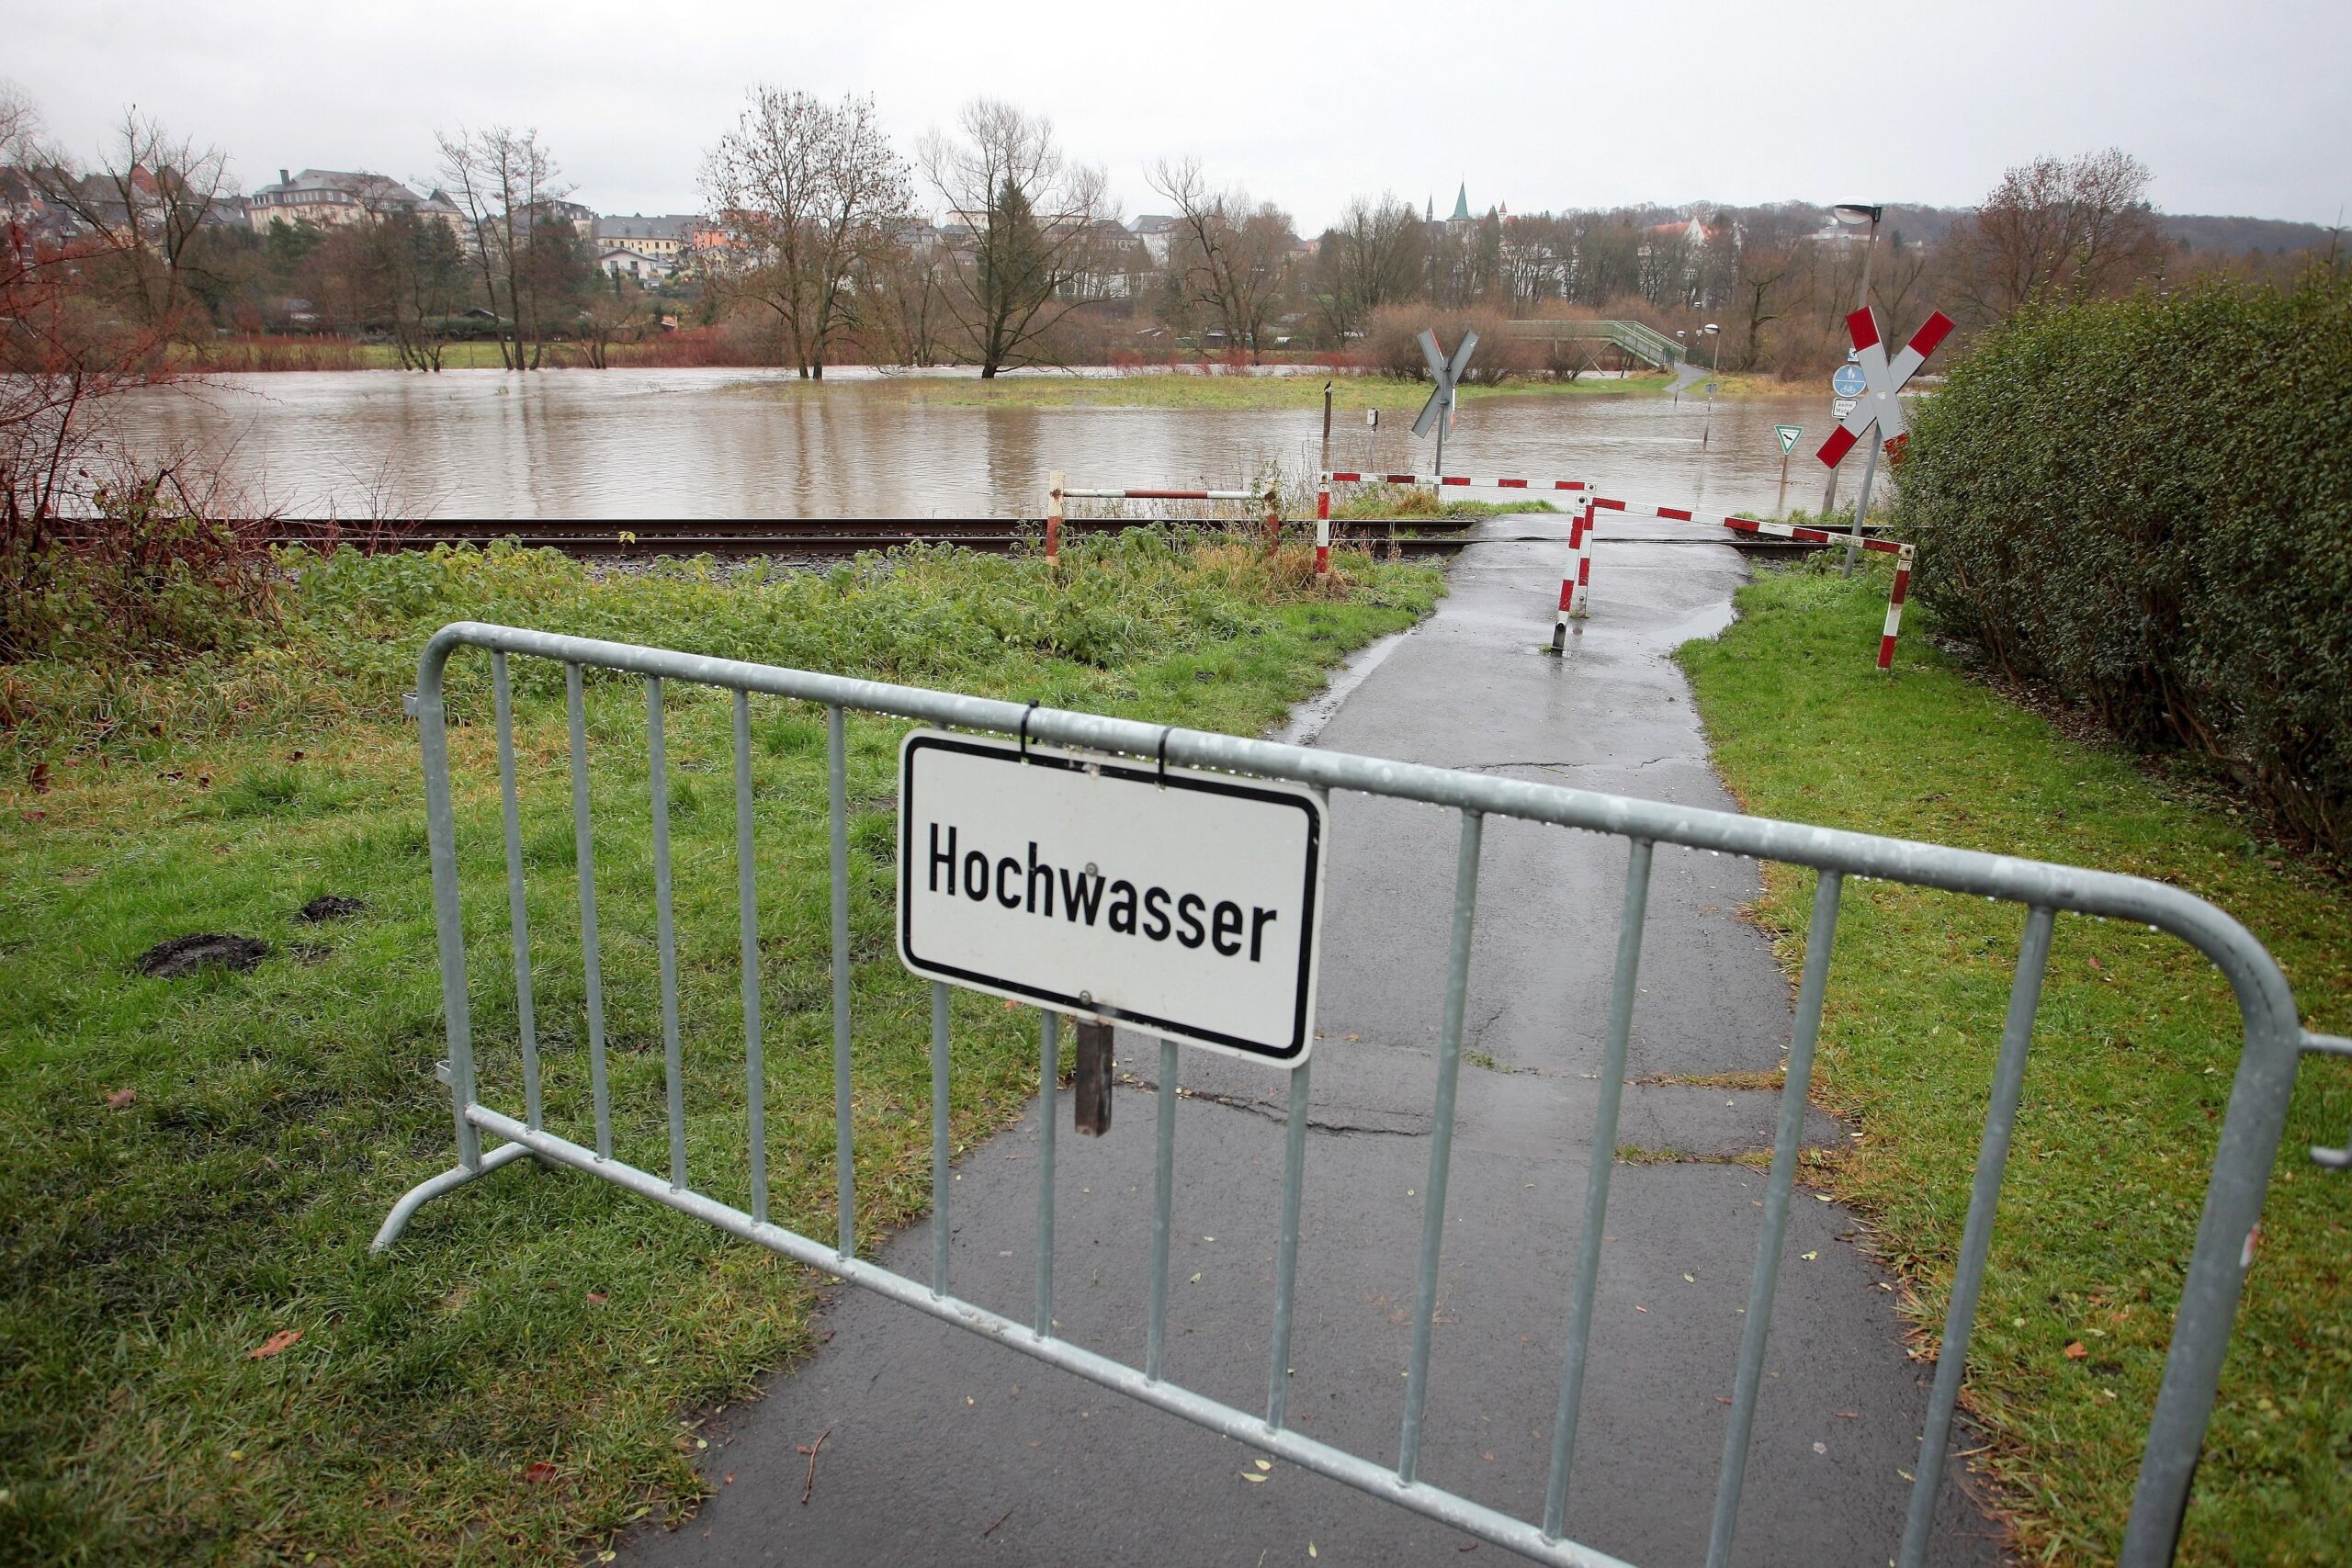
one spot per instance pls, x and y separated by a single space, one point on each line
943 1449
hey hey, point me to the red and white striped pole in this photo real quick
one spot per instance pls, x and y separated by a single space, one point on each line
1572 579
1054 519
1584 561
1894 607
1323 526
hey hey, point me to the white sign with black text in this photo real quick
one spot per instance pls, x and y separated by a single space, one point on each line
1179 903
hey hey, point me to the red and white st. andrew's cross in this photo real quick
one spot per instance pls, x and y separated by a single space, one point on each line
1879 404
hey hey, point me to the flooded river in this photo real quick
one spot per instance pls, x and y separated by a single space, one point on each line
634 444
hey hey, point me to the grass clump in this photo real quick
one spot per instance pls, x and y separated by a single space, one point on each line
2134 1052
194 1168
1383 502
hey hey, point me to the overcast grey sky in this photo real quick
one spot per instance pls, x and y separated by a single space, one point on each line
2239 108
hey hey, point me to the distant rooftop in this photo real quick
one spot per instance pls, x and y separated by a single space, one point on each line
639 226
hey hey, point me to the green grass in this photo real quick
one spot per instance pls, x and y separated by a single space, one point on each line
1382 502
192 1166
2134 1048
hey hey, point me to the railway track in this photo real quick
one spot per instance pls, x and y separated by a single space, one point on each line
801 538
833 537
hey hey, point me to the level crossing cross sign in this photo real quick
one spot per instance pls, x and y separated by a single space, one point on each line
1879 403
1446 373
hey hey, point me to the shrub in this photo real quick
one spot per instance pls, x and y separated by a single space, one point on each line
1388 345
2145 506
151 572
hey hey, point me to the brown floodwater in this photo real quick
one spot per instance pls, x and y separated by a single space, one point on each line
635 444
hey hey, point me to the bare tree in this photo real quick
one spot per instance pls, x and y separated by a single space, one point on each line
1373 258
615 310
806 193
904 294
1233 256
2078 227
19 122
504 180
1773 258
1022 221
146 203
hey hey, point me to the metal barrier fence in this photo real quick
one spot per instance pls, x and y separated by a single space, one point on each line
2250 1135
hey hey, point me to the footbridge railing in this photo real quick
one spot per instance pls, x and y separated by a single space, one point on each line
2250 1135
1644 342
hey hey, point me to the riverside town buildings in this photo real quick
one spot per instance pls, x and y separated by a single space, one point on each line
325 197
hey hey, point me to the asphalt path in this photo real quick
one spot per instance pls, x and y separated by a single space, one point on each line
943 1449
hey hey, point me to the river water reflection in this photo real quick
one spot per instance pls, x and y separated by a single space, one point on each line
634 444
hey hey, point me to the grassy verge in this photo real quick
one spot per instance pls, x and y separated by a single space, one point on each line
193 1168
2134 1048
1383 503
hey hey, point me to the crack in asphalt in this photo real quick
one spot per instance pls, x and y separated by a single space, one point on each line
1273 1113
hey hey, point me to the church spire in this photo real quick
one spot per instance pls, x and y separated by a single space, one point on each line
1462 204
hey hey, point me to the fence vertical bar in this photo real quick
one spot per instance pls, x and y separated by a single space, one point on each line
1976 1235
1049 1074
2227 1230
845 1156
1449 1072
1163 1192
448 921
941 1148
517 915
583 850
1622 991
747 905
665 933
1286 1253
1819 938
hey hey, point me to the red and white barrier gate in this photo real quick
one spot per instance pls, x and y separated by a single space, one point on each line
1060 492
1902 553
1575 582
1337 478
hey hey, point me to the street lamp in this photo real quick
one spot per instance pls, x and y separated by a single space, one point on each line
1853 214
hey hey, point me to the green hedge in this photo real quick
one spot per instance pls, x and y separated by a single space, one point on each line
2146 506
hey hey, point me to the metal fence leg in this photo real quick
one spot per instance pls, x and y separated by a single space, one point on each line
942 1145
1976 1235
2251 1131
1163 1194
747 902
1449 1073
665 933
448 921
844 1154
1286 1255
583 849
517 910
1049 1073
1818 941
1622 991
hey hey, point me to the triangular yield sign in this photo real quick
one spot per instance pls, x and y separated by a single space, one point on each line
1788 435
